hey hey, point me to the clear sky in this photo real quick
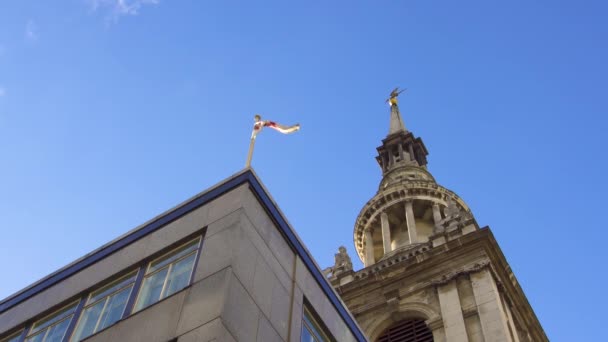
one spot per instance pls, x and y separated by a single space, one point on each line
111 114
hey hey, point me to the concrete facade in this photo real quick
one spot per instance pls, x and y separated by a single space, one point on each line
251 283
427 259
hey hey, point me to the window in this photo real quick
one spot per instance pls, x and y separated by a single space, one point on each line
13 338
168 274
52 328
104 307
311 330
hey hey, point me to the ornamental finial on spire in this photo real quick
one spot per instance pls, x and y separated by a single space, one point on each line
392 100
396 124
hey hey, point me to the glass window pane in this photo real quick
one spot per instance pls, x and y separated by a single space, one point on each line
180 275
56 332
114 308
151 289
313 328
56 317
306 336
174 255
36 338
13 338
110 288
88 321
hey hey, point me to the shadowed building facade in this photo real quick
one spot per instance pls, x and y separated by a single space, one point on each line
223 266
431 273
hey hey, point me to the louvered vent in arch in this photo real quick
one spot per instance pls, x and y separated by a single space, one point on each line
411 330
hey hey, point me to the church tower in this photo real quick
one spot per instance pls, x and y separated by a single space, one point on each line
431 273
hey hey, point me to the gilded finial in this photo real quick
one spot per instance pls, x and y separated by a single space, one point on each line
392 100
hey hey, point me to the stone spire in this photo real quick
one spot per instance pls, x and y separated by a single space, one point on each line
396 124
410 210
400 148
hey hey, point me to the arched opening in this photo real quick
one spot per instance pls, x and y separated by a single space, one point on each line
409 330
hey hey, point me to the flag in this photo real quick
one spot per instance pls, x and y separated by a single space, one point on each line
259 124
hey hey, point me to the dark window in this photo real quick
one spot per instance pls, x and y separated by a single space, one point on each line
412 330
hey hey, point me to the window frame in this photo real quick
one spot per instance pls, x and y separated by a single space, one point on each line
317 329
166 253
141 267
106 285
74 303
18 333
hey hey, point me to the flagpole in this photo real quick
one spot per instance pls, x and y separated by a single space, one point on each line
250 154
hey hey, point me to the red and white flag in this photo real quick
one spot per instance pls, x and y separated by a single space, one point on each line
259 124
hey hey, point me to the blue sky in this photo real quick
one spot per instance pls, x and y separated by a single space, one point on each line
112 112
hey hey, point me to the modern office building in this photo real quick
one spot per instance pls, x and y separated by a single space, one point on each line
226 266
223 266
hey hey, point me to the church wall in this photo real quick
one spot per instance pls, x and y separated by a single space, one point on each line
424 229
492 317
451 312
469 307
474 332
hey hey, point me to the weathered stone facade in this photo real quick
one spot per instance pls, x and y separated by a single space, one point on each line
426 258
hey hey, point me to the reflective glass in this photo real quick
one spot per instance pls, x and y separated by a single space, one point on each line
114 308
36 338
151 289
109 289
168 274
306 336
172 256
105 307
52 328
52 319
180 275
88 321
56 332
311 329
13 338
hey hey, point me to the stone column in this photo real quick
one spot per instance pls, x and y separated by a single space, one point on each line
369 248
411 149
386 233
411 222
436 213
511 323
401 153
384 162
491 315
451 312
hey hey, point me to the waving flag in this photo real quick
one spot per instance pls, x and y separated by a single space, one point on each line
259 124
257 128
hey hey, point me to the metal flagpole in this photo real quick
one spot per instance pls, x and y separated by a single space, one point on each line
250 154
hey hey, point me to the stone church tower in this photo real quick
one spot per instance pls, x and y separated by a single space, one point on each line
431 273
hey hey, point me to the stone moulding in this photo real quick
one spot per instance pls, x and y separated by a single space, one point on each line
468 269
392 261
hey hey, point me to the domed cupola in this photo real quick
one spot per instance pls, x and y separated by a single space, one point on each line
410 209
